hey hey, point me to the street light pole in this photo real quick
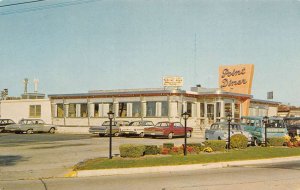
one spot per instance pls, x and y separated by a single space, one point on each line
266 122
185 116
229 118
110 117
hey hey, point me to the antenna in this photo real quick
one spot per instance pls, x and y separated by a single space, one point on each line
195 57
25 85
36 82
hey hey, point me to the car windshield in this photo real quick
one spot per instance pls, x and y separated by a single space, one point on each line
24 122
162 125
224 126
277 124
135 123
107 123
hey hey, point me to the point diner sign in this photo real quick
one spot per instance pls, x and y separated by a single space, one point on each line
236 78
172 81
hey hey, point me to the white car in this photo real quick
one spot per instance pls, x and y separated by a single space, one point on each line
219 131
136 128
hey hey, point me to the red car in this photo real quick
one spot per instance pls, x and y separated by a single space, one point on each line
168 129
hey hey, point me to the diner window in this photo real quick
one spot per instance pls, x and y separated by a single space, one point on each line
83 110
202 110
164 108
150 109
218 109
72 110
96 110
189 108
227 107
35 111
60 110
210 111
236 110
122 109
136 109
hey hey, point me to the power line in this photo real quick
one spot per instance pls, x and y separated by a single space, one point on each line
49 6
21 3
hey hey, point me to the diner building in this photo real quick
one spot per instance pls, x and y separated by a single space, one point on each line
205 106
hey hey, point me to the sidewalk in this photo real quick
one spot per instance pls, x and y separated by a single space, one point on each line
123 171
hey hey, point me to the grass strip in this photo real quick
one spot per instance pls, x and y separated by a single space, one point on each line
251 153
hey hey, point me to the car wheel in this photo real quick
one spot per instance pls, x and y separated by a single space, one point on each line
170 136
52 130
101 135
256 142
29 131
117 134
142 134
189 134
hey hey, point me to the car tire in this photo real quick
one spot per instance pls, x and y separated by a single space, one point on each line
101 135
116 134
29 131
142 135
189 134
256 142
170 136
52 130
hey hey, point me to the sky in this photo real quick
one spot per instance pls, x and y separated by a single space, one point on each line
74 46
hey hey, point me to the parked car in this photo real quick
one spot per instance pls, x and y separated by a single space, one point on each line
5 122
168 129
293 126
104 128
256 127
219 131
31 126
136 128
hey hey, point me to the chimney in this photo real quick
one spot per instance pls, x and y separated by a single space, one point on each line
36 82
25 85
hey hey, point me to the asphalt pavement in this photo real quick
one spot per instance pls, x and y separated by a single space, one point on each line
278 176
34 156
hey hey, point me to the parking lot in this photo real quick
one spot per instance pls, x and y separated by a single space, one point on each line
30 156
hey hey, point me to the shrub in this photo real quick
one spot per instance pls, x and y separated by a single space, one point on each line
276 141
131 150
207 149
190 150
287 138
168 145
151 150
176 150
215 145
238 141
165 151
196 145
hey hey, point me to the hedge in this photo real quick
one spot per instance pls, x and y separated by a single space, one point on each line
151 150
215 145
276 141
131 150
168 145
238 141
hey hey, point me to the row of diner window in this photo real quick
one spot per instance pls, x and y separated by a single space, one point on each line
134 109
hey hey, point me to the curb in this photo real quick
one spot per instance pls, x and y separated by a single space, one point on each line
170 169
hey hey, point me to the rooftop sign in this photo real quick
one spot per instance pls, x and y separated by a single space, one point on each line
236 78
172 81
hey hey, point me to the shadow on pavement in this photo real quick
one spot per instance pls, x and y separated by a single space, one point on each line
10 160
